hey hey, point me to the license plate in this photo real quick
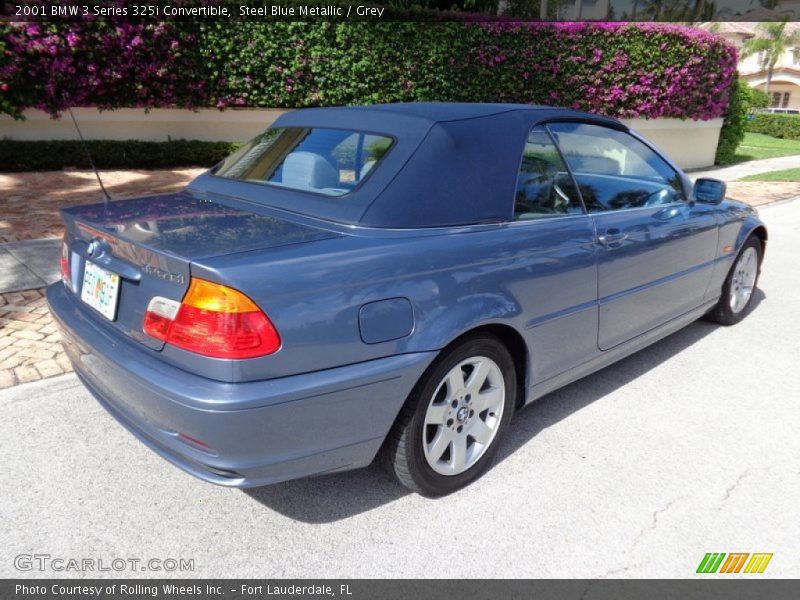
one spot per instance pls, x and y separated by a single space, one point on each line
100 290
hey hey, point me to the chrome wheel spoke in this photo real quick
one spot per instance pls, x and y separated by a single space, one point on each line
750 279
440 443
488 399
735 301
477 378
459 453
455 382
436 414
481 432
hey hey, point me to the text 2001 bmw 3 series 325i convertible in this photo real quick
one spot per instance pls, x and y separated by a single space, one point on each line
394 279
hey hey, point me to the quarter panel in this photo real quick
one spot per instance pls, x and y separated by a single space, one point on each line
537 277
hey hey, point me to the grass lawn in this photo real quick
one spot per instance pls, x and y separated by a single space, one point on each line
783 175
758 145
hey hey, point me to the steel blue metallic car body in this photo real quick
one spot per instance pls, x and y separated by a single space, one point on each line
367 289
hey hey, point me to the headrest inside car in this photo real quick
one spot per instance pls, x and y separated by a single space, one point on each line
306 170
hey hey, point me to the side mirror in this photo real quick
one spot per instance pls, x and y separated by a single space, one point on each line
709 191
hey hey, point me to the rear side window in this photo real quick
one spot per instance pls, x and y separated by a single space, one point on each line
544 186
325 161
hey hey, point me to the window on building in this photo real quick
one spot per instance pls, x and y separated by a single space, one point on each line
780 99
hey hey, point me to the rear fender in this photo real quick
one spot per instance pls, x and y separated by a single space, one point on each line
440 327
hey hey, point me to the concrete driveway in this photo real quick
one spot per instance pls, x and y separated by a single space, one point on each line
691 446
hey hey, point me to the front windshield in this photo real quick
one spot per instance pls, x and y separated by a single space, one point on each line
325 161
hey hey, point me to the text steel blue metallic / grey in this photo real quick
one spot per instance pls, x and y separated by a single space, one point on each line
393 279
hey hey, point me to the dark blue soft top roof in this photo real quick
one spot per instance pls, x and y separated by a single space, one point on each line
431 112
450 164
437 112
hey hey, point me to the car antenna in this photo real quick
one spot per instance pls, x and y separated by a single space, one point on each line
106 197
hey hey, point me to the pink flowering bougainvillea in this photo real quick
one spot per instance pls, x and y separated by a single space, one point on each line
617 69
98 63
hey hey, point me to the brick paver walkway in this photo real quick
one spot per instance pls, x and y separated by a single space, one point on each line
29 202
757 193
30 346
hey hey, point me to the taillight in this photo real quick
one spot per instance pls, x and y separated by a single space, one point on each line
212 320
65 275
159 316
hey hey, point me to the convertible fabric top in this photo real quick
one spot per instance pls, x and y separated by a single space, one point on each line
450 163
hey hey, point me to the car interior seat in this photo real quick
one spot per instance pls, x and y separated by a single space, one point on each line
308 171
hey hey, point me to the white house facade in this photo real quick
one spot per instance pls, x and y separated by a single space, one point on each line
785 85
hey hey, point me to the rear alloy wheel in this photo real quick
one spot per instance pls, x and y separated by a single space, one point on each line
463 415
449 429
738 289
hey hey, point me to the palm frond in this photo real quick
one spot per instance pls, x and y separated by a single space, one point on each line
756 45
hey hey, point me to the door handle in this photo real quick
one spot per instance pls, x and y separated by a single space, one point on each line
612 236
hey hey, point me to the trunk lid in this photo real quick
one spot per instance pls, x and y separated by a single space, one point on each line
148 245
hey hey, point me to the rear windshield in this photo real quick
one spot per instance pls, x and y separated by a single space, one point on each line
325 161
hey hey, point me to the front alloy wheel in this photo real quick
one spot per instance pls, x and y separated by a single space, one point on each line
743 280
449 429
740 284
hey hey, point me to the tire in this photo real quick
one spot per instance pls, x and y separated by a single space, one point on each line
743 275
447 435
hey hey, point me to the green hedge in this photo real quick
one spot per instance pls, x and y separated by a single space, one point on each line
779 126
625 70
734 123
55 155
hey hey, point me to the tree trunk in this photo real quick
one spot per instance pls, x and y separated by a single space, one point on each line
698 10
768 81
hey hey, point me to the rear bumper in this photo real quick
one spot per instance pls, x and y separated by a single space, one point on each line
259 432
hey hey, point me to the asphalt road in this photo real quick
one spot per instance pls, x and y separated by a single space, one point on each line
688 447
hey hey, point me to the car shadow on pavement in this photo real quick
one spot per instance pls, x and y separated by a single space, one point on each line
330 498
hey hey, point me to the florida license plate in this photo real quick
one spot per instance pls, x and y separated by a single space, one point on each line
100 290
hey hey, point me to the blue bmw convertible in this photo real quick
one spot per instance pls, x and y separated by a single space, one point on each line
390 280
